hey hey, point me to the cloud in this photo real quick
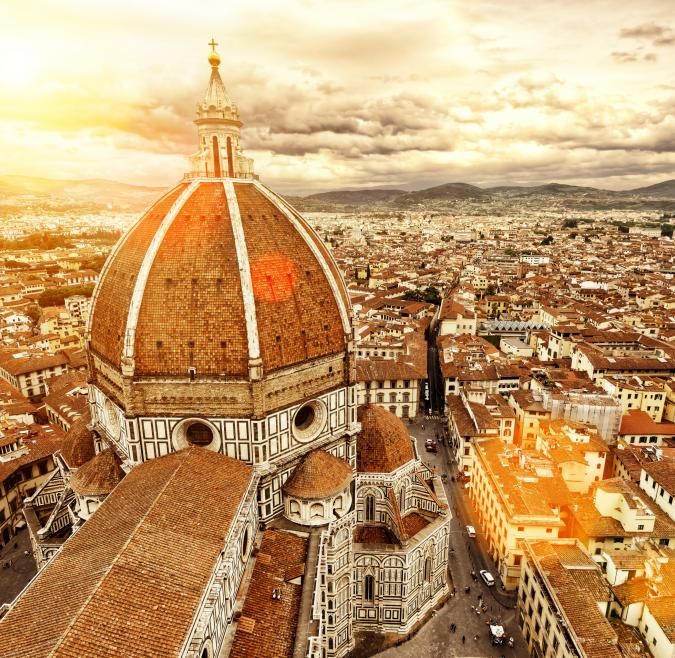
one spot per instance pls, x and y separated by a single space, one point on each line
625 56
657 35
637 55
343 92
645 31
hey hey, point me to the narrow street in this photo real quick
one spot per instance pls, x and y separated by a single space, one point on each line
435 379
435 639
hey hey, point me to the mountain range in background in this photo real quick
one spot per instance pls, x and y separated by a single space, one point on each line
458 191
92 194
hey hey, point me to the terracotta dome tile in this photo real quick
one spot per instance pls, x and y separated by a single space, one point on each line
78 444
192 309
113 297
298 317
384 443
319 475
99 476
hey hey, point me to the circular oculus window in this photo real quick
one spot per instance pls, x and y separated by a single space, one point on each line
199 434
195 432
309 421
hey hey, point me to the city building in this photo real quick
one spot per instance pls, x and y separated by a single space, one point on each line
563 603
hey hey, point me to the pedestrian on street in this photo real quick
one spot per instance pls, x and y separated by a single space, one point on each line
463 639
475 637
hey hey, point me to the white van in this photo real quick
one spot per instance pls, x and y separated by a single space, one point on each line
487 577
471 531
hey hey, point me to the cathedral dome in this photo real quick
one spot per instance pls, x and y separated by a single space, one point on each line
384 443
218 279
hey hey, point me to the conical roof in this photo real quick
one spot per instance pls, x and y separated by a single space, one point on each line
216 94
99 476
319 475
384 443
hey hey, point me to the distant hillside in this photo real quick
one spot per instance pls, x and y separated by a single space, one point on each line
655 196
664 189
553 189
447 192
356 197
28 194
74 193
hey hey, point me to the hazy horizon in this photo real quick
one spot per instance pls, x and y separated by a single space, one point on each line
346 95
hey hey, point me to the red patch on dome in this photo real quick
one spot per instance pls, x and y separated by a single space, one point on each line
274 277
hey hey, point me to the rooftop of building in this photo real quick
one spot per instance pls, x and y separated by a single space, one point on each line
319 475
528 484
267 626
137 568
637 422
576 582
384 443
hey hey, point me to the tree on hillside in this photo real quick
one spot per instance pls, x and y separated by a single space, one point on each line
432 295
33 312
56 296
94 263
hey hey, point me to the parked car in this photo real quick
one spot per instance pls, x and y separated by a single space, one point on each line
471 531
430 445
487 577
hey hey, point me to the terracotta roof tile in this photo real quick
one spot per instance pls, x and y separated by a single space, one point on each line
111 307
384 444
195 270
129 582
413 523
366 534
267 626
636 422
99 476
78 445
193 297
298 316
318 475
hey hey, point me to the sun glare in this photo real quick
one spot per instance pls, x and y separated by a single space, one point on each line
19 65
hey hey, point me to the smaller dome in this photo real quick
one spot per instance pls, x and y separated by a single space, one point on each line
319 475
99 476
78 444
384 443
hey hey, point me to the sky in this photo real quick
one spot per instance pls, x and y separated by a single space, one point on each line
345 94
